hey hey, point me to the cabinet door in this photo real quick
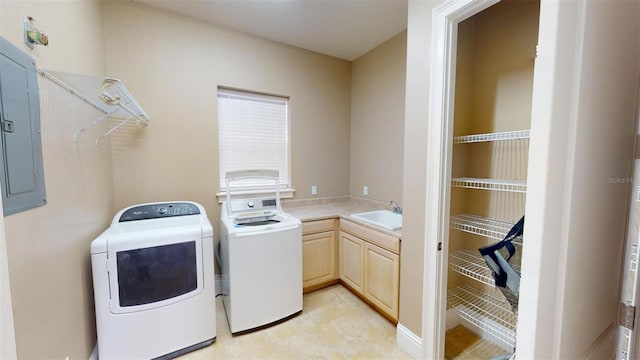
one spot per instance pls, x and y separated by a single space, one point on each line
351 261
318 258
381 278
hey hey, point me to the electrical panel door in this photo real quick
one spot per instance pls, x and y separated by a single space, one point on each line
21 173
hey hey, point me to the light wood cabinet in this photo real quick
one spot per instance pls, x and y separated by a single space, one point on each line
370 266
381 275
352 261
319 254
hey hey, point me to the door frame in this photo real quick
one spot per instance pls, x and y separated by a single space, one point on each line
633 208
444 40
557 115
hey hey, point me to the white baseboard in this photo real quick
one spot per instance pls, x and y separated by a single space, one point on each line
409 342
94 354
607 345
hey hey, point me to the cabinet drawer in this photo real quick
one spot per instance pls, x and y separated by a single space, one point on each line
383 240
312 227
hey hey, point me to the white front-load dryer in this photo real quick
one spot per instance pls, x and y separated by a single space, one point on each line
261 264
153 280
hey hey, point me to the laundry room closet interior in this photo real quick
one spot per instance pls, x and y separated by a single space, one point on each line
492 116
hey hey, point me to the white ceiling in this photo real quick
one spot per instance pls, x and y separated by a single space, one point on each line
345 29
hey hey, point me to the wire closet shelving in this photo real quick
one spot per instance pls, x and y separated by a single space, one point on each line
108 95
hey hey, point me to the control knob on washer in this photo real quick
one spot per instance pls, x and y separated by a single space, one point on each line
251 204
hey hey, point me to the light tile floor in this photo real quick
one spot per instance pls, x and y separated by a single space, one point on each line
334 324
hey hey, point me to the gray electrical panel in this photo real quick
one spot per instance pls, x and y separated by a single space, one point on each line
21 170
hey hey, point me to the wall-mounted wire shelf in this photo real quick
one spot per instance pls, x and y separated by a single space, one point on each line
490 314
483 226
629 294
498 136
625 344
471 264
634 258
518 186
107 95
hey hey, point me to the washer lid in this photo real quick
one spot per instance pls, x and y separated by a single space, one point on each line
255 222
149 229
280 222
240 205
176 217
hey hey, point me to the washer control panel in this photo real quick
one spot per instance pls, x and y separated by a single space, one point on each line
253 204
155 211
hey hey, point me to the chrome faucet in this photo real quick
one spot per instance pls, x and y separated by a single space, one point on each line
396 208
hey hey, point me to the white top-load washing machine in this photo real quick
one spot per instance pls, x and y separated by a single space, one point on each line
261 256
153 281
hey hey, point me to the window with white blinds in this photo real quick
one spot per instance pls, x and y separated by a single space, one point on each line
253 134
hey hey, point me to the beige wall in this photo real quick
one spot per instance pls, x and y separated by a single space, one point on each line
377 120
584 113
495 68
48 247
503 66
7 330
415 163
175 64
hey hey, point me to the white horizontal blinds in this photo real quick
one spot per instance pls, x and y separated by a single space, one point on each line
252 134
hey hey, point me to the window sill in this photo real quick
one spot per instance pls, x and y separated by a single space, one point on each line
284 194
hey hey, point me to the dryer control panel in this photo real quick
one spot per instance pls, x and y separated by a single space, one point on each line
155 211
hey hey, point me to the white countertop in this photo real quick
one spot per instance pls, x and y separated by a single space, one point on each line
337 207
